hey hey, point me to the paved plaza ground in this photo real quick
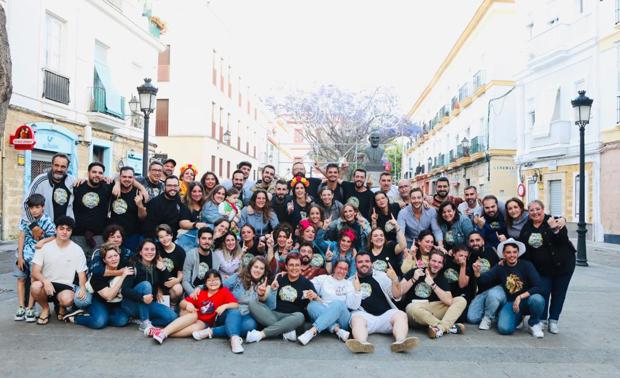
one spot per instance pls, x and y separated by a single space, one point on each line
587 345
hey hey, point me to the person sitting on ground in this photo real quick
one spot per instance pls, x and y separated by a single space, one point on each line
377 313
199 260
459 274
521 284
114 234
430 302
173 257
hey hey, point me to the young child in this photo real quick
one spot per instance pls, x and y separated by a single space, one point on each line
231 208
25 252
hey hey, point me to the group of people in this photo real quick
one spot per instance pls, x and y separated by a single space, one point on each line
183 256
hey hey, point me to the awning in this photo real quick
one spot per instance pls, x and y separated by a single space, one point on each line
112 97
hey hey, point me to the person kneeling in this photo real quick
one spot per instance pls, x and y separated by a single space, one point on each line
378 313
212 313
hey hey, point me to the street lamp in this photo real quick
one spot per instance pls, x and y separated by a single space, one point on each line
148 101
465 144
226 137
134 105
582 106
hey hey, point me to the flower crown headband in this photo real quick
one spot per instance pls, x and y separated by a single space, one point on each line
298 179
189 166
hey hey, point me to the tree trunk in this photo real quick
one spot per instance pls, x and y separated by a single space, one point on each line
6 86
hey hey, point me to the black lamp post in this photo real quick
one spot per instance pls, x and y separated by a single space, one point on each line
582 106
148 102
465 143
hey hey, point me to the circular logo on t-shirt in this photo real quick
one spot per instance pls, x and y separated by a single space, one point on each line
451 275
61 196
485 265
119 206
245 260
203 267
379 265
303 214
317 261
288 294
90 200
423 290
155 191
449 238
206 307
354 201
535 240
495 225
168 263
366 290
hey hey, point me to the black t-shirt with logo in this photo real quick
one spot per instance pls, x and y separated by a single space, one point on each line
451 272
153 189
173 260
290 294
60 199
487 258
373 300
364 201
387 255
190 215
204 264
382 221
99 282
422 290
124 212
90 207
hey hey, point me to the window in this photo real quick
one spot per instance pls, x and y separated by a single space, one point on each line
617 11
213 125
228 168
532 191
161 123
555 197
617 109
53 42
618 67
222 74
163 65
98 154
557 111
240 101
239 135
579 4
228 127
220 166
221 125
478 79
214 69
229 84
212 163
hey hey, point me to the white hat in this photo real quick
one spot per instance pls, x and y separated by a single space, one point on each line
500 247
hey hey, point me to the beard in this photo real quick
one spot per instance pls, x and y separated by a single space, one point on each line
305 260
442 193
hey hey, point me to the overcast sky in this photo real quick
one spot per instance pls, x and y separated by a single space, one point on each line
355 44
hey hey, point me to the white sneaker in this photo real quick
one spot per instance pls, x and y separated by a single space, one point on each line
305 337
290 336
523 324
485 323
537 330
343 335
144 325
202 334
553 326
236 344
253 336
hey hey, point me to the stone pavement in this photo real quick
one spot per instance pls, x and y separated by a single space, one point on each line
586 346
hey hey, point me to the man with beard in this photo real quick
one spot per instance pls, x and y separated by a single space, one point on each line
267 181
491 223
332 174
311 264
471 206
198 261
91 204
152 182
164 209
442 190
483 308
385 185
243 183
377 313
169 166
299 169
279 200
432 303
128 210
57 188
238 182
414 218
458 272
358 194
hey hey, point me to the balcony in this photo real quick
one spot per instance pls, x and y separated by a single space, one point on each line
56 87
100 114
477 145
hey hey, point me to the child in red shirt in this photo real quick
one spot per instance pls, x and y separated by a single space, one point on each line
200 313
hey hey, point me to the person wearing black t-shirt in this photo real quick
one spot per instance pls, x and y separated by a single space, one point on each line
432 304
377 313
522 286
174 258
164 209
383 212
279 200
383 252
152 181
458 272
198 261
332 175
483 308
128 210
90 207
293 293
299 169
358 194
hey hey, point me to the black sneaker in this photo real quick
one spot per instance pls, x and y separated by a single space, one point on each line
457 329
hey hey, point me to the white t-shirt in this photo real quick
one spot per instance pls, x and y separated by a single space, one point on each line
331 289
60 264
463 207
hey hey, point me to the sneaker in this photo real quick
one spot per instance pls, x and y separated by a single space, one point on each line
236 344
553 326
20 314
537 330
485 323
70 316
434 332
357 346
253 336
203 334
144 325
305 337
404 345
30 315
457 329
523 324
290 336
151 331
343 335
159 335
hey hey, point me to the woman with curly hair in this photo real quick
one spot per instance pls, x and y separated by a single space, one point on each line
259 214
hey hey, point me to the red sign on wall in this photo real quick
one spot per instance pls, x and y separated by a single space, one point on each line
23 139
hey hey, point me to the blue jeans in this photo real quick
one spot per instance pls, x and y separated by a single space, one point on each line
554 291
486 304
157 313
81 303
232 323
187 241
508 319
103 314
326 316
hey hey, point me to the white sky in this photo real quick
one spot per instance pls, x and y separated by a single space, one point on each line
355 44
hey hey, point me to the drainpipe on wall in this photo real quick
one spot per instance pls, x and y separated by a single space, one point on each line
487 157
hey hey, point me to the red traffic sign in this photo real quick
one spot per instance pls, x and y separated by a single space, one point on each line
521 190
